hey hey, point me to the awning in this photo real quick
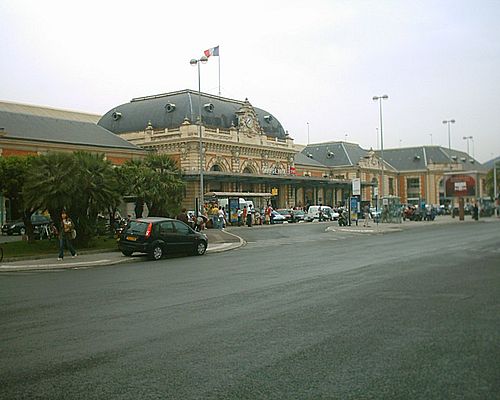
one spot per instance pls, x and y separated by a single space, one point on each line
244 195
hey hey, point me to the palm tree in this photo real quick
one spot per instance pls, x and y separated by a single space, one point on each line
156 182
84 184
167 191
51 182
97 190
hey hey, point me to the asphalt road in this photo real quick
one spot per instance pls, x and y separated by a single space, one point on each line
300 312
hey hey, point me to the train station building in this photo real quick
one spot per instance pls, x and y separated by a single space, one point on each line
245 152
245 149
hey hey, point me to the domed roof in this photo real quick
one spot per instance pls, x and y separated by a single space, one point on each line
169 110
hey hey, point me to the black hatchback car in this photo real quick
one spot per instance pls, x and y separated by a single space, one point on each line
158 236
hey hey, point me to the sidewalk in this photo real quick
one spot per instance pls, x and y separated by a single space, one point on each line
218 241
404 225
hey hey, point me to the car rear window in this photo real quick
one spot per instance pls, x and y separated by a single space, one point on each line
137 227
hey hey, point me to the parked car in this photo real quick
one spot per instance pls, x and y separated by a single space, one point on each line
277 218
18 227
286 213
327 214
158 236
298 216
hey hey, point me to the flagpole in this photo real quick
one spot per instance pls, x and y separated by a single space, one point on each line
219 73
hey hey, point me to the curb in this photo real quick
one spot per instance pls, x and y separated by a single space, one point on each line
61 266
218 248
229 245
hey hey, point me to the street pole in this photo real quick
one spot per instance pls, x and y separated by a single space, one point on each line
201 193
449 121
467 138
495 191
379 99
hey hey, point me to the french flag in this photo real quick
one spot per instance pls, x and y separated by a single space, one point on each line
214 51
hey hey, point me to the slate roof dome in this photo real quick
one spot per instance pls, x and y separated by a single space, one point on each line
169 110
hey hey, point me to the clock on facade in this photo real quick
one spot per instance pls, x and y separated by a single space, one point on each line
248 121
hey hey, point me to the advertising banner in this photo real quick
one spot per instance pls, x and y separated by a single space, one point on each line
356 187
233 210
460 186
354 209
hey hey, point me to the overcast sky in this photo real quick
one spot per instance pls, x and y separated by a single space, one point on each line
316 62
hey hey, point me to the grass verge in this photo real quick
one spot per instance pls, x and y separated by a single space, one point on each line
21 248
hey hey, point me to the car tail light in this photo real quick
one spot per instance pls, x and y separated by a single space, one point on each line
148 231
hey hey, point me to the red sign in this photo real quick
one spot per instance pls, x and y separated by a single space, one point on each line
460 185
293 171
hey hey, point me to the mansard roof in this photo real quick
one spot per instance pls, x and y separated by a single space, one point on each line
169 110
420 157
25 122
338 154
334 154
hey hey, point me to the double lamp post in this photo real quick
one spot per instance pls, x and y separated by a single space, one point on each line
193 62
379 99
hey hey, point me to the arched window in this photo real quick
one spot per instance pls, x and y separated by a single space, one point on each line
216 167
247 170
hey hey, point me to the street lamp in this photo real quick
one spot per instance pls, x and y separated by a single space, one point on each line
495 192
449 121
467 138
379 99
197 62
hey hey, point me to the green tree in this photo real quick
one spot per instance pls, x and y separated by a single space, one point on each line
490 187
167 190
155 181
13 172
83 184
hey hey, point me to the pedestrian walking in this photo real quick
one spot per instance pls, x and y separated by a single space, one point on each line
366 212
222 218
245 214
268 212
249 216
67 233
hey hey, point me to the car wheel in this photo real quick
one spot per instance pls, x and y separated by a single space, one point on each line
127 253
201 248
156 252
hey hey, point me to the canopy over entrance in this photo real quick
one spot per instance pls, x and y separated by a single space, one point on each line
238 194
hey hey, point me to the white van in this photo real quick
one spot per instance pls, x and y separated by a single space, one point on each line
242 203
313 213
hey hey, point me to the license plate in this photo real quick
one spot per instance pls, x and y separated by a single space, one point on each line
131 238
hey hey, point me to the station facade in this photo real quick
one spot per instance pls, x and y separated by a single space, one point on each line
245 149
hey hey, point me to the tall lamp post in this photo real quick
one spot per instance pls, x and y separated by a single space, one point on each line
495 190
379 99
197 62
468 138
449 121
